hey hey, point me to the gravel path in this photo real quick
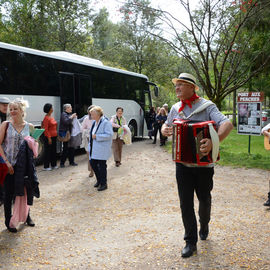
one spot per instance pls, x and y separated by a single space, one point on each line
136 223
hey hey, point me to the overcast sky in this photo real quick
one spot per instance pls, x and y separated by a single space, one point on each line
171 6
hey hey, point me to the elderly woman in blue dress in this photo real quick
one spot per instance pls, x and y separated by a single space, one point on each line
100 144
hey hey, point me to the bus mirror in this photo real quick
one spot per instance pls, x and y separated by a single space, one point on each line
156 91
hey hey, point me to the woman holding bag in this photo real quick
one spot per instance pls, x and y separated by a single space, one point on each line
21 180
65 126
118 122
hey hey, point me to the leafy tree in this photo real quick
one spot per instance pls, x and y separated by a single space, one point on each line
24 23
260 39
45 24
103 38
215 42
134 37
68 24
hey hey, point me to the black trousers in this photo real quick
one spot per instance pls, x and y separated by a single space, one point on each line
68 152
157 127
100 169
1 194
50 153
200 180
9 187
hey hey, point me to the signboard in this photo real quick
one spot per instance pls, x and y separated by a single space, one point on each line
249 105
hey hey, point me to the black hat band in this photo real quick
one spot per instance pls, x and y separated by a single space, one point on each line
186 79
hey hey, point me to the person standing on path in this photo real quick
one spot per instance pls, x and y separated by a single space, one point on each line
100 145
266 132
4 101
66 125
50 133
160 119
118 122
22 175
150 119
86 127
192 177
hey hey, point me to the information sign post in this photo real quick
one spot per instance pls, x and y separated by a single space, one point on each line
249 106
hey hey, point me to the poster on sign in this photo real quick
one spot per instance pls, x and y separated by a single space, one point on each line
249 105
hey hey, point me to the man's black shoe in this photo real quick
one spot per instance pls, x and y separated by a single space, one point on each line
62 165
204 232
30 222
267 203
73 164
96 184
102 187
188 250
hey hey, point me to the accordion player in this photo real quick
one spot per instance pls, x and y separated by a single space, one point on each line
186 144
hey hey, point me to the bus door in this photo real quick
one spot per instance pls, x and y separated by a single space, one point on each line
147 107
76 89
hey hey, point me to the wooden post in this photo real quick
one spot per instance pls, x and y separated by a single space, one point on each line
234 108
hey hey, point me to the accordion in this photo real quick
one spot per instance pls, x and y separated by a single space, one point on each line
186 144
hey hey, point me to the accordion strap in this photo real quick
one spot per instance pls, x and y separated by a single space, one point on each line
206 104
215 142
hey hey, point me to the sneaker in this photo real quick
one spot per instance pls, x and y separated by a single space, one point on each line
55 167
47 169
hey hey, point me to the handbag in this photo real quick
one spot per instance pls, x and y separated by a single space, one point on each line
64 136
115 129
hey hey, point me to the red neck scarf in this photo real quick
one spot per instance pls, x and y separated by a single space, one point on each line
188 102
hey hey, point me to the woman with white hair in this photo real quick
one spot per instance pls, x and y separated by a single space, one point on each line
15 151
66 125
100 145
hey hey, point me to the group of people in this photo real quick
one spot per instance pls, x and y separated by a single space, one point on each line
51 134
155 120
19 182
99 135
103 135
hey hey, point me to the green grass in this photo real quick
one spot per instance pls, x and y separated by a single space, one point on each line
234 152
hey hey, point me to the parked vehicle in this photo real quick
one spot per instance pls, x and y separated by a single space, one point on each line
265 117
61 77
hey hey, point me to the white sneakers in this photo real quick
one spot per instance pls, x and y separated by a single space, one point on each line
50 169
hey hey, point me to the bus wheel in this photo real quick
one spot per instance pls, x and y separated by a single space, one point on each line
41 150
133 129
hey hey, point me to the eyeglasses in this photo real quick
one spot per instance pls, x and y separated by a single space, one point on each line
182 84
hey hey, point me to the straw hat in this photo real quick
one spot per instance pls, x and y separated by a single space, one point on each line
186 77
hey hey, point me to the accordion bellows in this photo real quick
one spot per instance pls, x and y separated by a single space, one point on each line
186 144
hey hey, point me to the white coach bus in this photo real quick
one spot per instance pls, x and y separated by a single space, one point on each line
61 77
